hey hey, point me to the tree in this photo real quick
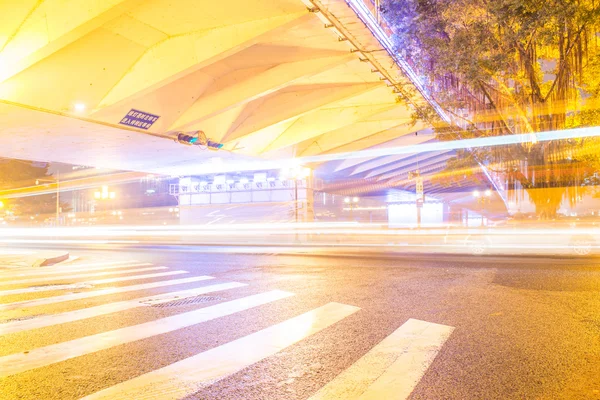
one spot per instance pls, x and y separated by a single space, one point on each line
19 173
502 67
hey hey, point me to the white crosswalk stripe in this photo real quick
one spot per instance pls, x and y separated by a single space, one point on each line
90 312
392 369
102 292
94 282
68 276
74 268
188 376
16 363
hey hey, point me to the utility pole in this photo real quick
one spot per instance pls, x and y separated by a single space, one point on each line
57 198
420 198
37 182
296 197
482 199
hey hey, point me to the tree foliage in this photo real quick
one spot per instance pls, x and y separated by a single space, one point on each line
18 173
502 67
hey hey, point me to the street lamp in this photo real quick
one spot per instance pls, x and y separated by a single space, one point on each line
295 174
104 194
482 200
37 182
352 202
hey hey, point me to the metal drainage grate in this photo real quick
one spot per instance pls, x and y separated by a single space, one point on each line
189 300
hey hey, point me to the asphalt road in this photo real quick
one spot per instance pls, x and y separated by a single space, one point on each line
515 328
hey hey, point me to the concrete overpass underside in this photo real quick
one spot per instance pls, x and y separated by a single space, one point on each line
271 79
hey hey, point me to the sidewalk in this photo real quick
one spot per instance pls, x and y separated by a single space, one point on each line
31 258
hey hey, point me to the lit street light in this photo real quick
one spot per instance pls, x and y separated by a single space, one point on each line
104 194
352 201
482 200
295 174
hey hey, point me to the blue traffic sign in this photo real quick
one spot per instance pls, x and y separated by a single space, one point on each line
139 119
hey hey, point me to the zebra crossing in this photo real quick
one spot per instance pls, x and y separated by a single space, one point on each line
391 369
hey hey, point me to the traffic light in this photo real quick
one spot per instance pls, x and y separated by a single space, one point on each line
198 139
188 139
214 145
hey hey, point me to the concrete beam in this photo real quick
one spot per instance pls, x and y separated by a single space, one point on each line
51 25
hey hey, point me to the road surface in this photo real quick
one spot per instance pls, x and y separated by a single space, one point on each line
169 323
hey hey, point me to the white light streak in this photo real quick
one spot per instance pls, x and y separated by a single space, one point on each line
458 144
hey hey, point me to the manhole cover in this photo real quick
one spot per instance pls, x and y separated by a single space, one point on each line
189 300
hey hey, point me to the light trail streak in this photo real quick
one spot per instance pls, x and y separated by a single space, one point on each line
255 230
258 165
458 144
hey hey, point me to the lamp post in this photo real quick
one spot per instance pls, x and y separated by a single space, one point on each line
37 182
352 202
295 174
104 194
482 199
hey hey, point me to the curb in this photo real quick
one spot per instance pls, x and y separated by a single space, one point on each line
43 262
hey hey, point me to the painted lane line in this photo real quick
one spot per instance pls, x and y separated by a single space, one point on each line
71 277
43 356
391 369
90 312
191 374
65 270
101 292
79 285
